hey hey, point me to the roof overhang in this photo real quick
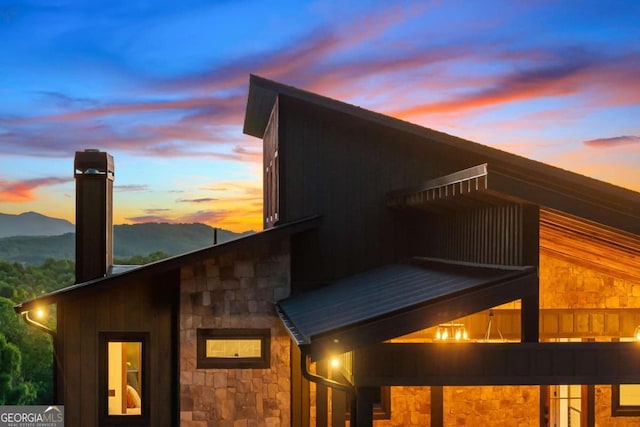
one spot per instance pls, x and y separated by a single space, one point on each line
398 299
493 184
510 175
173 263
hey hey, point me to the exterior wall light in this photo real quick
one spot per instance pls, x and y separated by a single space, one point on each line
335 362
636 334
451 332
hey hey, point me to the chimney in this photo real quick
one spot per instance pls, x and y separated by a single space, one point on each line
94 214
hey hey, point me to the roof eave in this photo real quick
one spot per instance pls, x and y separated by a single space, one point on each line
176 262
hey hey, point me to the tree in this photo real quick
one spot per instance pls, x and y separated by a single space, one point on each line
36 353
13 389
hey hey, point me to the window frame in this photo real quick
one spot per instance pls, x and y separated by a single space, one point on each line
618 410
262 362
104 338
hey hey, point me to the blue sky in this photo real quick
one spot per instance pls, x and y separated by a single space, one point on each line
162 86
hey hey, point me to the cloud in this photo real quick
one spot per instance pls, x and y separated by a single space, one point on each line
207 217
200 200
156 210
23 191
149 218
613 141
132 187
200 113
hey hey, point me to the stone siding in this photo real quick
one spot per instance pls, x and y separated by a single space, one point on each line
236 290
567 285
410 407
496 406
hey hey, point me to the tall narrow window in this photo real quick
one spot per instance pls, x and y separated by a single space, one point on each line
123 376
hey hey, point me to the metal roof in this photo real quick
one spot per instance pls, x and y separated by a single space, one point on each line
378 296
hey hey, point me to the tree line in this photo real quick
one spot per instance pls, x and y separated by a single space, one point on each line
26 354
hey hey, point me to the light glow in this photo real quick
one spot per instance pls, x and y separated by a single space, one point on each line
451 332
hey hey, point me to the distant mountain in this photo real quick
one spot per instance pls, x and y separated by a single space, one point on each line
33 224
128 240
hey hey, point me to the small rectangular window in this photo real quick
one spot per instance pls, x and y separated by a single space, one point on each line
123 386
233 348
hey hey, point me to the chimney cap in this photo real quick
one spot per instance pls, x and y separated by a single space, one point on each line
93 162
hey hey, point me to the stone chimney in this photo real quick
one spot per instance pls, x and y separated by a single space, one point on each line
94 173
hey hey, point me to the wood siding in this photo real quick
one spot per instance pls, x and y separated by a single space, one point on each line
342 168
141 307
506 235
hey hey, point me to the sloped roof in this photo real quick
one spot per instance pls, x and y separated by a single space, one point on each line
176 262
536 182
397 299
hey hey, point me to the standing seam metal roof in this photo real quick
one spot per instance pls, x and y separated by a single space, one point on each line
386 290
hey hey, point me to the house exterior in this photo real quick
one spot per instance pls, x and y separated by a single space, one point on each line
382 240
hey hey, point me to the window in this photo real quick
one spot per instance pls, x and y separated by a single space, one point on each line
123 378
625 398
234 348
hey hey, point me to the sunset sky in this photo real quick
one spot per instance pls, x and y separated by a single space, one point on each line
162 86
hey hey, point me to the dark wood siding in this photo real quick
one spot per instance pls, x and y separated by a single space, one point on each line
148 306
506 235
342 168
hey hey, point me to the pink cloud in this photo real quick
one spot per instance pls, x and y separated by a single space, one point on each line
149 218
206 217
613 141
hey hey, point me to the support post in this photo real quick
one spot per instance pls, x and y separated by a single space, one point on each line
437 406
364 406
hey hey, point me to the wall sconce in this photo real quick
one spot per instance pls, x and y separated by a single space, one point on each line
636 334
451 332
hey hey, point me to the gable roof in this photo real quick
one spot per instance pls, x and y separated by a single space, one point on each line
553 187
398 299
137 272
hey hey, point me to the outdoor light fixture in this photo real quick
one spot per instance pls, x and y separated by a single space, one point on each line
636 333
451 332
335 362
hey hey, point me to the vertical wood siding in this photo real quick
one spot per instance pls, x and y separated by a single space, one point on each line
141 307
342 168
492 235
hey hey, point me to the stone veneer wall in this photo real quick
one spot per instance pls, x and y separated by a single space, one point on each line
410 407
235 290
496 406
566 285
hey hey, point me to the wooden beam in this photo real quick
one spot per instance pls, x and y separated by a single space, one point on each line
466 364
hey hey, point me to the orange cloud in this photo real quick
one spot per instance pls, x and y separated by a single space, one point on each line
23 191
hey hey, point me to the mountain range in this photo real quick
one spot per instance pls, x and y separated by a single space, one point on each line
33 224
31 238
